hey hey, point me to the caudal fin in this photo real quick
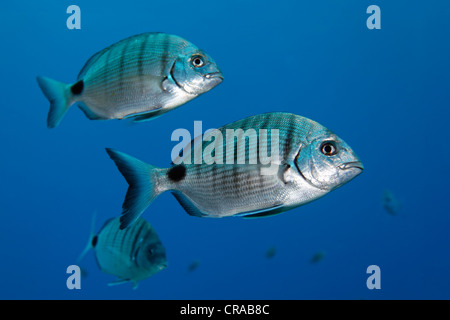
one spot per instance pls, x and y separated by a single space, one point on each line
59 95
141 191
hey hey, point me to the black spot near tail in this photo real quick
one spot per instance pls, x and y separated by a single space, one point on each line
77 88
177 173
94 241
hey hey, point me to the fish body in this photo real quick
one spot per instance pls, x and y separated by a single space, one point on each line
312 161
390 203
140 77
270 253
317 257
193 266
131 255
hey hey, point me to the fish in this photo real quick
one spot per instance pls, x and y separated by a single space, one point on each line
131 255
193 266
317 257
140 77
390 203
270 253
312 161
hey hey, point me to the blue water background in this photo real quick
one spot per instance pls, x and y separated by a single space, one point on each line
385 92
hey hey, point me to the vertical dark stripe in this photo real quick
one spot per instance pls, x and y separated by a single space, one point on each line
235 187
165 53
141 55
197 170
258 159
261 181
235 149
112 231
124 234
214 177
264 125
265 122
146 236
122 61
107 72
136 238
290 136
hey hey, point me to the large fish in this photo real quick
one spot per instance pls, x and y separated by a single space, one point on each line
131 255
141 77
312 162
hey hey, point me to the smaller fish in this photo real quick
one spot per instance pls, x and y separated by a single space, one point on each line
271 252
130 255
140 77
390 203
317 257
193 266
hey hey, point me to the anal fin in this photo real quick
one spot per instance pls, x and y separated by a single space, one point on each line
187 205
88 112
276 209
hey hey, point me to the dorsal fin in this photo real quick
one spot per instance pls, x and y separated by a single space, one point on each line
91 61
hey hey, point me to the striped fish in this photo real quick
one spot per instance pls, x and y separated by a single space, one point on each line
311 162
140 77
131 255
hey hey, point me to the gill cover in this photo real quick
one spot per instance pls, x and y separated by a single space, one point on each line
327 162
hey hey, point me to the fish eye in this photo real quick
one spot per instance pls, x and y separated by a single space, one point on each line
197 61
150 251
328 148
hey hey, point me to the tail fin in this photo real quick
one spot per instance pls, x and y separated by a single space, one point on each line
141 191
59 95
89 245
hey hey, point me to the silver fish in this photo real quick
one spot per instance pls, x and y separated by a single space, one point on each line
131 255
390 203
312 162
193 266
140 77
270 253
317 257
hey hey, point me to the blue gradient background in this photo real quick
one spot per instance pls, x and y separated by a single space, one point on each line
385 92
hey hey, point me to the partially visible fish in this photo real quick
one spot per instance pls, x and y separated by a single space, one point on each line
312 162
131 255
140 77
317 257
270 253
390 203
193 266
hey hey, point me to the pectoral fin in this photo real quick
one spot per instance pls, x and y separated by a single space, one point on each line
134 284
117 282
149 115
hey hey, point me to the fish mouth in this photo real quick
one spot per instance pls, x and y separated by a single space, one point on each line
352 164
163 266
213 75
